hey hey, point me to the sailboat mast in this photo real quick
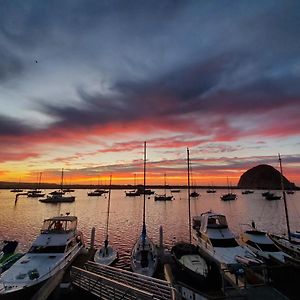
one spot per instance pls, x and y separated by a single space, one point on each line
189 197
284 200
144 207
108 207
62 178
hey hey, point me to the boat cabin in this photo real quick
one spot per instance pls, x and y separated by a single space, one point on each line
213 221
61 224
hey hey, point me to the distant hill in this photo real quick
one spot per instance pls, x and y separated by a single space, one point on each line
263 177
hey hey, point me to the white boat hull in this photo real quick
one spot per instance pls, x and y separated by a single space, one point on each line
105 256
144 257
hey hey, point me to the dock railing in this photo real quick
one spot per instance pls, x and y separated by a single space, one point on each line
111 283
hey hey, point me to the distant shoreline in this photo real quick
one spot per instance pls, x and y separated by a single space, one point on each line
12 185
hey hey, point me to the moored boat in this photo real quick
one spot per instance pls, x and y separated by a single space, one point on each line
95 193
144 257
57 199
261 244
190 262
106 254
212 235
194 194
53 250
228 197
133 193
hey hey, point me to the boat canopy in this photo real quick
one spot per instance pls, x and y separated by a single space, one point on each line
59 224
213 221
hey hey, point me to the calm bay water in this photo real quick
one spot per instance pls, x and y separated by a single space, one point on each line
23 221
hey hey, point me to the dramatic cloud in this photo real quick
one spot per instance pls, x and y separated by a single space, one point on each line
82 78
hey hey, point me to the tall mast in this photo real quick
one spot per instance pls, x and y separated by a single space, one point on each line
144 208
165 183
108 208
284 200
62 178
189 197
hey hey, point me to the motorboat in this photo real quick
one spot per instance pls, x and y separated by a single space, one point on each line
210 191
271 196
57 199
190 263
163 197
133 193
212 235
175 191
228 197
194 194
53 250
262 245
290 192
247 192
95 193
106 254
35 194
144 256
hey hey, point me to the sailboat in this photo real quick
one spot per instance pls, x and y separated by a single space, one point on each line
191 264
36 193
133 193
144 253
106 255
288 244
229 196
163 197
58 197
60 191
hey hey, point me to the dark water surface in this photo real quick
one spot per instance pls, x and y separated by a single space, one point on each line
23 221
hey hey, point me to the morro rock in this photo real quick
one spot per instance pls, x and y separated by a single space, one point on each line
263 177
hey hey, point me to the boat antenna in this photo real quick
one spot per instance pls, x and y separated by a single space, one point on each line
189 197
108 208
144 232
284 200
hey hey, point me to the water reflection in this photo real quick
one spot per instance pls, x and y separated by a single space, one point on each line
23 220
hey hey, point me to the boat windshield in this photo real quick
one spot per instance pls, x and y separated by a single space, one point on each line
47 249
58 225
217 221
224 243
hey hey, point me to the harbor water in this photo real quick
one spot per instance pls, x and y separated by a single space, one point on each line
22 221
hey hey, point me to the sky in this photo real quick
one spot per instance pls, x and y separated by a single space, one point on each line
84 83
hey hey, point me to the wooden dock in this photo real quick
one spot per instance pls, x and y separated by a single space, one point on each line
108 282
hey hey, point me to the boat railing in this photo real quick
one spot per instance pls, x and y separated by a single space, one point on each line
59 263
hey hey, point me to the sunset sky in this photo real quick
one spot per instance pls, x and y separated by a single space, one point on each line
84 83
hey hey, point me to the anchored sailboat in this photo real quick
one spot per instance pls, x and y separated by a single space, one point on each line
163 197
106 255
191 264
288 245
144 254
59 195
